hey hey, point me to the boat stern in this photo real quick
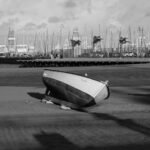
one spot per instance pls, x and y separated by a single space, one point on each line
103 94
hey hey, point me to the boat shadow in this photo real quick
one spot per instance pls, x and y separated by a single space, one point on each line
127 123
36 95
40 96
142 95
56 141
140 98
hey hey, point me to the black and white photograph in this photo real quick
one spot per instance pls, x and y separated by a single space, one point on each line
74 74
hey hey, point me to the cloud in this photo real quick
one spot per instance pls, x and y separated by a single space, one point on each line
30 26
130 12
70 4
89 6
33 27
55 19
41 14
114 24
147 14
4 28
1 14
77 6
62 19
37 12
42 26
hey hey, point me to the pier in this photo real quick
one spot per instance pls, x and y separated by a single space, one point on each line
81 62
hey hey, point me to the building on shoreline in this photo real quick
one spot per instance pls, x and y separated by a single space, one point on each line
3 51
11 42
14 49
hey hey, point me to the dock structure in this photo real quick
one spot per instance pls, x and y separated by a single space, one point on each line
81 62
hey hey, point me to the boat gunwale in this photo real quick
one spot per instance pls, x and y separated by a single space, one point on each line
74 74
102 82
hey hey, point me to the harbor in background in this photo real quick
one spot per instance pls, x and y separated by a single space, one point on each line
76 45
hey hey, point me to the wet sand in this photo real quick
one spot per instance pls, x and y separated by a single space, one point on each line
121 122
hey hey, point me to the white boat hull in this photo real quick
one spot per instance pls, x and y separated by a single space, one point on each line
79 90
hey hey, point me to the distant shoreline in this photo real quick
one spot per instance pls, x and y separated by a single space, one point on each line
9 65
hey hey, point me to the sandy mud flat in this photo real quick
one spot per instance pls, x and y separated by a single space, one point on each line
121 122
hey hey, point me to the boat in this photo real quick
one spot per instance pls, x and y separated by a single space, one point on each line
81 91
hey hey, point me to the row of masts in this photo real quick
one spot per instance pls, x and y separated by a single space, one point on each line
108 41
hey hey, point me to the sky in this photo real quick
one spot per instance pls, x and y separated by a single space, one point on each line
56 15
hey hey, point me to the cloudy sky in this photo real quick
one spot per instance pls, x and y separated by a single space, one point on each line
33 15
